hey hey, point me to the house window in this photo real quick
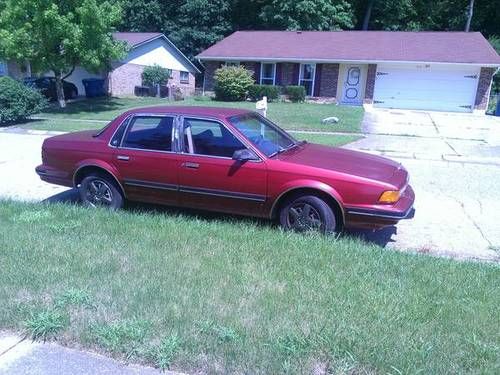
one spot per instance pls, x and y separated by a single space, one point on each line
184 78
267 74
3 68
306 77
232 63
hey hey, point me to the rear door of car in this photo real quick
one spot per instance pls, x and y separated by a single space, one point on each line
208 176
146 159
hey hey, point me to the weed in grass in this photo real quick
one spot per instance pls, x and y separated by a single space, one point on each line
74 297
122 336
163 354
222 333
65 226
46 324
292 345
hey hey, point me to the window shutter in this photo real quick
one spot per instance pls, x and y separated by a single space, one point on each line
296 68
317 79
278 74
257 73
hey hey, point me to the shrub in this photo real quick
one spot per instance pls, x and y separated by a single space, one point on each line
155 75
18 102
256 92
232 83
296 93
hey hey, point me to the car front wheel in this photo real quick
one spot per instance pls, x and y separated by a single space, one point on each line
308 213
100 191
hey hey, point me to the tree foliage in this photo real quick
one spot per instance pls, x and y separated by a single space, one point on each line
155 75
57 35
308 15
193 25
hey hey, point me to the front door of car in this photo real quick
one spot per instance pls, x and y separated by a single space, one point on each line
208 176
146 160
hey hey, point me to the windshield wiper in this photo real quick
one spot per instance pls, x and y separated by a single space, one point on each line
291 146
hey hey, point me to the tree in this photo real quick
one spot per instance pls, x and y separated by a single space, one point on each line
470 12
308 15
368 14
57 35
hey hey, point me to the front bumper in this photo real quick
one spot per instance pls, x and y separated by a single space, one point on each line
379 216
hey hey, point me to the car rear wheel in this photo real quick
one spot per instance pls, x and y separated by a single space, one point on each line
98 190
308 213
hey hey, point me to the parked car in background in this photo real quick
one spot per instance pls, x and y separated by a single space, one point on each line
228 160
47 86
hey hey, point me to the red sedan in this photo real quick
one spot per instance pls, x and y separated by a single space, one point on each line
228 160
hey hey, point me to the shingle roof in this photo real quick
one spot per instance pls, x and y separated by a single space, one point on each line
452 47
133 39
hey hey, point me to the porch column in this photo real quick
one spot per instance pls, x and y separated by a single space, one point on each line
370 83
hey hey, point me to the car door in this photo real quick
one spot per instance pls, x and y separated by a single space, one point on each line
208 176
145 157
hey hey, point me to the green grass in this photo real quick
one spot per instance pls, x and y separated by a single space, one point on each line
200 293
291 116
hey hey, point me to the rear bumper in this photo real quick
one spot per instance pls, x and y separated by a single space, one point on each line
53 176
380 216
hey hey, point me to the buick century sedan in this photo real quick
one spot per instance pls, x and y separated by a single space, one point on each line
232 161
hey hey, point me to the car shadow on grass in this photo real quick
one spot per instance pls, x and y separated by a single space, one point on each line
379 237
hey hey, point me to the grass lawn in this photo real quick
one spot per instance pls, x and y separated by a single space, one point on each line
292 116
212 295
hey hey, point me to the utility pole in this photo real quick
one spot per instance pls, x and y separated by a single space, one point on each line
470 11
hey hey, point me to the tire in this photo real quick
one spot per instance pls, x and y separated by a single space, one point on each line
99 190
308 213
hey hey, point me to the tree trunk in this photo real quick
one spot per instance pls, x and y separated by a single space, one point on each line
368 14
59 90
470 11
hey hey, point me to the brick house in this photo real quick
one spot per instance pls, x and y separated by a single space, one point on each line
145 49
445 71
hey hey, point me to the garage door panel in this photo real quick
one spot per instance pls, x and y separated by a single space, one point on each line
431 87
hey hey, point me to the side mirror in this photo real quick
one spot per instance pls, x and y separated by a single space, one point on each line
244 155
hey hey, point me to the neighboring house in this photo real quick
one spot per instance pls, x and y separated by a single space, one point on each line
445 71
144 49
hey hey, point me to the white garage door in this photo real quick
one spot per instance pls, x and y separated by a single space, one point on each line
429 87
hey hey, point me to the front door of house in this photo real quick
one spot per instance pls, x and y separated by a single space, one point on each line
352 90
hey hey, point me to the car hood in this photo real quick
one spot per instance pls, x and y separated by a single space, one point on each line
344 161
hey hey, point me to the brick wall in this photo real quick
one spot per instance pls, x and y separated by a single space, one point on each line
210 68
483 88
370 83
124 77
329 80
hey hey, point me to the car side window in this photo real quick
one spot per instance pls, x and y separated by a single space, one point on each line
205 137
149 133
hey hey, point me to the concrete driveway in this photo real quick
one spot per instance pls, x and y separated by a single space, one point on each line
454 165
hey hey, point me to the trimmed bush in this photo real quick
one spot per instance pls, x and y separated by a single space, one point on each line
296 93
232 83
256 92
18 102
155 75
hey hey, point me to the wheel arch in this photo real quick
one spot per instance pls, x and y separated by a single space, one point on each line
330 197
88 168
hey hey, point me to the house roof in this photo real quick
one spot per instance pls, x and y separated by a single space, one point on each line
134 40
442 47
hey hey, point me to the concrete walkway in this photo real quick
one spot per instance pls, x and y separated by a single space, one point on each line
18 356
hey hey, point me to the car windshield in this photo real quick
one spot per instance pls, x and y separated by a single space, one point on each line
265 136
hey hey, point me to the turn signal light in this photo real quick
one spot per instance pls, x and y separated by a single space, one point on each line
390 196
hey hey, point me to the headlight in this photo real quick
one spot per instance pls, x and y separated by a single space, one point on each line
390 196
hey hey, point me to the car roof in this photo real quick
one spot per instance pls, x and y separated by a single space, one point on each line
217 112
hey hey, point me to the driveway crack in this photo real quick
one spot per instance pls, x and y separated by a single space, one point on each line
476 225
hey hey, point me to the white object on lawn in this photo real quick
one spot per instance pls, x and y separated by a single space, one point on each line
330 120
261 106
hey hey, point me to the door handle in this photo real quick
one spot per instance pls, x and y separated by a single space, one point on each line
190 165
123 157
